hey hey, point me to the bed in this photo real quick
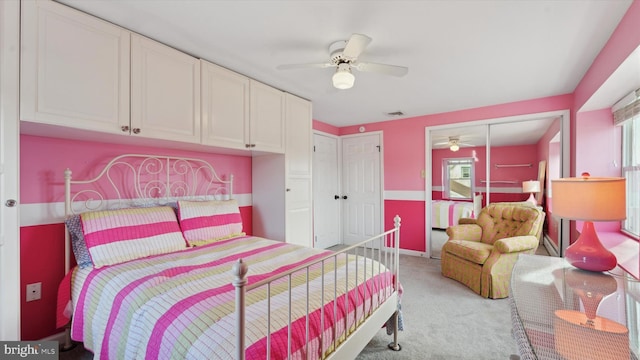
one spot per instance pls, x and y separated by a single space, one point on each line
164 270
445 213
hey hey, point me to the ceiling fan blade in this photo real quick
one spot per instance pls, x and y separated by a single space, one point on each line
355 46
304 66
382 68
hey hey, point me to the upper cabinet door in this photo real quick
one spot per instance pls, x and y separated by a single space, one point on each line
225 107
299 136
267 118
165 92
74 69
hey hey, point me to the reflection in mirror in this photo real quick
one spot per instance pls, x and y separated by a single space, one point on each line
517 146
455 169
552 231
458 178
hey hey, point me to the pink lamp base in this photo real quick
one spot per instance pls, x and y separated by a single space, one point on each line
587 252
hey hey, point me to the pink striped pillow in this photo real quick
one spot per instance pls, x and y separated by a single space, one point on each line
203 222
115 236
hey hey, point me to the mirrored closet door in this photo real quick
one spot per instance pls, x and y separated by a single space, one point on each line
474 165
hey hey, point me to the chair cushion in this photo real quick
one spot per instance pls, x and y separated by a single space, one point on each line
499 221
476 252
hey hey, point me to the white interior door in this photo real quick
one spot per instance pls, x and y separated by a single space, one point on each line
9 174
361 187
326 186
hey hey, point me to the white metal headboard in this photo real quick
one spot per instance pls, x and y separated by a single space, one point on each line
136 179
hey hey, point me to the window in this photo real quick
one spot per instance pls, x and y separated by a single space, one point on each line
458 179
631 172
627 114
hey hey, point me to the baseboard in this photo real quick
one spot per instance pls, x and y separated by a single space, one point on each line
413 253
551 249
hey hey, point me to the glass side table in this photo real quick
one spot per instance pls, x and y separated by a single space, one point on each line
561 312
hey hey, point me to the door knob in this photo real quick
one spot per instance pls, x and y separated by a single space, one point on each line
10 203
336 197
344 197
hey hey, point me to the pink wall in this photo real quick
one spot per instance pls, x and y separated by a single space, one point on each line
404 139
598 143
42 160
42 177
329 129
550 152
412 225
624 40
404 144
524 154
42 163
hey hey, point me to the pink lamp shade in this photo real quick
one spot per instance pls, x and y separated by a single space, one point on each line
589 199
531 186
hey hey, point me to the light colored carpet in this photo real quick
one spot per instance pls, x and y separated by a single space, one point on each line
443 319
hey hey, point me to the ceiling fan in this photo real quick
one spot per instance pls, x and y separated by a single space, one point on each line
343 55
454 143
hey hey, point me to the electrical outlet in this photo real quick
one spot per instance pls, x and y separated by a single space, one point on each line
34 291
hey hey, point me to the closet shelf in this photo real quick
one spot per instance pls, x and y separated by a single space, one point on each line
513 165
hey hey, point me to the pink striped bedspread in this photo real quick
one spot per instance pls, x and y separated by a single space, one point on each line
447 213
182 304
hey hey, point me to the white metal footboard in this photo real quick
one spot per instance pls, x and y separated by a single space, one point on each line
380 254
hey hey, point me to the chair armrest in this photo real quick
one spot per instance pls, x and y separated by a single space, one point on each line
470 232
516 244
463 221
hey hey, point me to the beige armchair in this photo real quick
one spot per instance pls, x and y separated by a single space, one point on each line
481 253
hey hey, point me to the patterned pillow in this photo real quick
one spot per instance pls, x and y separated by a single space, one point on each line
115 236
204 222
80 251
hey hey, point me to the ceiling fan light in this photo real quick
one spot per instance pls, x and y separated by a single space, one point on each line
454 147
343 78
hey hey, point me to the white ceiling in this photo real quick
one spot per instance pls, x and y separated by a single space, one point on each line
460 54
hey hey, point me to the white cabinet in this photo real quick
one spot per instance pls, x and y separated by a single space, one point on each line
74 68
165 92
298 162
266 114
240 113
225 107
282 192
81 72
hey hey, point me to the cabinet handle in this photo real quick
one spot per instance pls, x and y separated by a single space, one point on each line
124 128
253 145
288 189
345 197
336 197
136 130
247 145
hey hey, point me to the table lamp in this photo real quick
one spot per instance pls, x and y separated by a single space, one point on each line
584 335
531 186
589 199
